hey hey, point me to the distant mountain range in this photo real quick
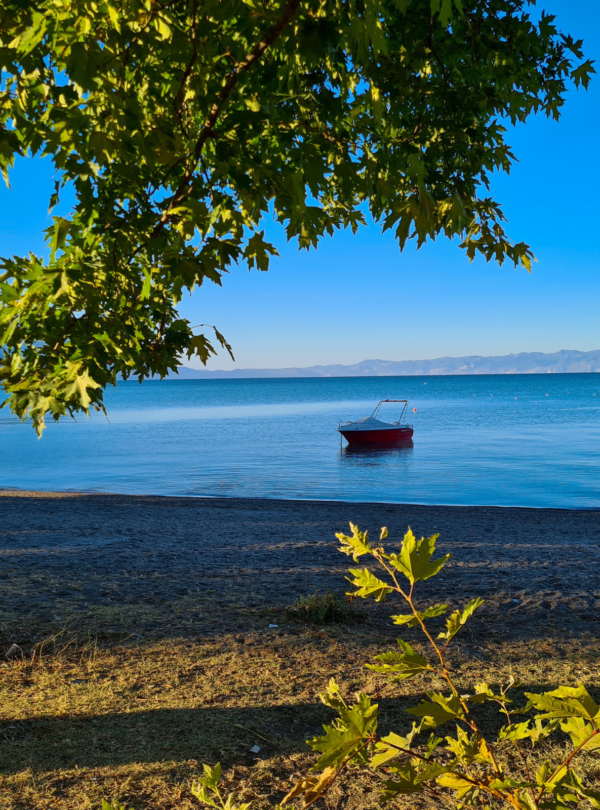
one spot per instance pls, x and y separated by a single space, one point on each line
563 362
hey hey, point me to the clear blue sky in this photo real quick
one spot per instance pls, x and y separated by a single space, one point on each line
358 297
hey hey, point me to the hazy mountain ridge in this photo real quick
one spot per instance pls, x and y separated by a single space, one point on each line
564 362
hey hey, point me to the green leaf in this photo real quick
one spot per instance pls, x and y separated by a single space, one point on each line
414 560
402 665
483 693
211 776
387 748
206 788
459 618
438 709
258 251
404 783
411 620
367 584
113 13
332 696
565 702
583 734
58 235
540 732
356 545
456 781
567 786
469 748
146 287
341 740
516 731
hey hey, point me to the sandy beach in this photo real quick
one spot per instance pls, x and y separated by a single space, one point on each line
192 567
167 643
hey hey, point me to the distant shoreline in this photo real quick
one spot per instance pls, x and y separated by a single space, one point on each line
566 361
222 375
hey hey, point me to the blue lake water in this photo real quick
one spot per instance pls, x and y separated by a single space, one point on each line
529 440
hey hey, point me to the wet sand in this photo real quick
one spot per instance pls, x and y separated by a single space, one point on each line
157 567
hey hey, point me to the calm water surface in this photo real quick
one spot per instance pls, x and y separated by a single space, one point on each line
530 440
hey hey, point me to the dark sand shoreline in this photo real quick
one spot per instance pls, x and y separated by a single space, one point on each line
191 567
42 493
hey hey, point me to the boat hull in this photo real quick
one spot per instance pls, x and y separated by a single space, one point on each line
378 436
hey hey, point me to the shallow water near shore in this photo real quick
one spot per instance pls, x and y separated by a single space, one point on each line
510 440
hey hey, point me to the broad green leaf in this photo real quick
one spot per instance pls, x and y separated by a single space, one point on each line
211 775
517 731
332 696
540 732
565 702
438 709
568 786
459 618
355 724
404 783
58 235
367 584
388 747
469 748
414 560
113 13
411 620
583 734
146 287
483 693
427 772
456 781
206 788
356 545
401 665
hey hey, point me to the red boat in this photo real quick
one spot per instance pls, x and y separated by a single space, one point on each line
371 430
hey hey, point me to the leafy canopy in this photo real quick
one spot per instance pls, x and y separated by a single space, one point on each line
181 126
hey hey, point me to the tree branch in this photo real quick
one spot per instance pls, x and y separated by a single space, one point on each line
269 38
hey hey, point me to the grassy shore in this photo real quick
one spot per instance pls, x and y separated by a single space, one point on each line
159 655
134 721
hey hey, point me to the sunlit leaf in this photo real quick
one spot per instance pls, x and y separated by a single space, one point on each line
414 560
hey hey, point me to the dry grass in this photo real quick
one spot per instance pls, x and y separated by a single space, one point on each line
134 721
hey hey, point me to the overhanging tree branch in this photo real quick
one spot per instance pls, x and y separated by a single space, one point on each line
186 184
